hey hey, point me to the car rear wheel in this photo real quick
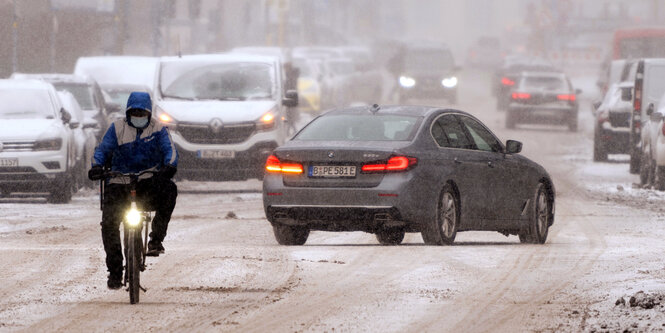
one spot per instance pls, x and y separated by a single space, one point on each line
290 235
599 149
536 230
659 178
443 228
634 161
646 170
390 236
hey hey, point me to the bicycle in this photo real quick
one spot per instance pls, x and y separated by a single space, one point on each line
136 222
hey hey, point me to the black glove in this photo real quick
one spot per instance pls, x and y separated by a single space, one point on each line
167 172
96 172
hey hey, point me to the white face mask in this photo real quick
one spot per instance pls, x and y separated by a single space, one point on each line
139 122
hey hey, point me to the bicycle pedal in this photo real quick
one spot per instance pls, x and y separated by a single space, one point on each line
144 290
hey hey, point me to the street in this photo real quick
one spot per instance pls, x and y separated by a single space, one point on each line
224 271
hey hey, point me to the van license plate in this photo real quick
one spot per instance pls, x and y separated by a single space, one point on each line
333 171
8 162
216 154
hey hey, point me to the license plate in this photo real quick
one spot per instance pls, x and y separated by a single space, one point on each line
332 171
8 162
216 154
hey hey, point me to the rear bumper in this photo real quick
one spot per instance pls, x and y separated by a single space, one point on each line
535 114
615 140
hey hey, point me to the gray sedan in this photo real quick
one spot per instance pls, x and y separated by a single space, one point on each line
392 170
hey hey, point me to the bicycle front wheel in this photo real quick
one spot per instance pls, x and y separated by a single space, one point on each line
134 265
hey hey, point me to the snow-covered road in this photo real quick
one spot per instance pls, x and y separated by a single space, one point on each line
223 270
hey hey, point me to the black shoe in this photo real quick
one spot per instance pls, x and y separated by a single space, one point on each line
114 282
154 249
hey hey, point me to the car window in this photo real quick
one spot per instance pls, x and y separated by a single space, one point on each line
83 94
448 132
545 82
483 138
359 127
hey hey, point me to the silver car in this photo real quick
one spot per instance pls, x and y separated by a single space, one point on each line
392 170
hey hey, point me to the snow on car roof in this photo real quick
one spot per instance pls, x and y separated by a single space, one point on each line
55 77
222 57
119 69
24 84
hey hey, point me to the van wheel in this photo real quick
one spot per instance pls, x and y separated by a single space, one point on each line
290 235
62 191
390 236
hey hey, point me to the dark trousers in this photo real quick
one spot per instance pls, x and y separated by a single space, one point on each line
154 194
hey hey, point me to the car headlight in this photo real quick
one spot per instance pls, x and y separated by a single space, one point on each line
267 121
407 82
133 216
165 118
48 144
449 82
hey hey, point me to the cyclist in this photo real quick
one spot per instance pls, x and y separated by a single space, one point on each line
132 145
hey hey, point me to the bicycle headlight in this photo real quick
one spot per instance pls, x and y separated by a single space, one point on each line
133 217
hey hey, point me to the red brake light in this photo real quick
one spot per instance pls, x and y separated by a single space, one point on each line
395 163
273 164
507 82
566 97
520 95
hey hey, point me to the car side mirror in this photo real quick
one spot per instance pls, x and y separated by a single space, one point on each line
626 94
74 124
597 104
650 109
578 91
290 98
513 147
65 116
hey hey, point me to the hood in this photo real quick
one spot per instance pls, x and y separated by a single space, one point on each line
29 129
226 111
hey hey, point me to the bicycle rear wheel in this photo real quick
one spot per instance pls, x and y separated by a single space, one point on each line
134 264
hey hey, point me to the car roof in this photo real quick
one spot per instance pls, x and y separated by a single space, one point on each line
402 110
222 57
25 84
56 77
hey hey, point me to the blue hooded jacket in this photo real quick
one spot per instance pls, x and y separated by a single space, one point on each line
133 150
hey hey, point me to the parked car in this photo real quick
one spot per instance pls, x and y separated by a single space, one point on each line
37 146
86 91
397 169
427 71
84 139
648 89
612 126
543 97
226 112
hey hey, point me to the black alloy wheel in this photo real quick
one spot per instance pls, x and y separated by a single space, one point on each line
539 222
443 228
390 236
290 235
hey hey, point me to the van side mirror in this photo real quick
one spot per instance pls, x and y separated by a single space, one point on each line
65 116
626 94
290 98
513 147
578 91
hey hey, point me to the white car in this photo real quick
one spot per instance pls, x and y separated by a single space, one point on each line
226 113
37 152
84 137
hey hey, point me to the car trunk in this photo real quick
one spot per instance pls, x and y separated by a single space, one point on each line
334 166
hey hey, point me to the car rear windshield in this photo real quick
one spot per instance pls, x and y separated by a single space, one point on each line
545 82
217 81
354 127
25 104
82 92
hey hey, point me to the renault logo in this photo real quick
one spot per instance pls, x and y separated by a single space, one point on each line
216 125
331 154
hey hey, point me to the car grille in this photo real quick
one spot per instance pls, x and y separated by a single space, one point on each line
620 119
228 134
18 146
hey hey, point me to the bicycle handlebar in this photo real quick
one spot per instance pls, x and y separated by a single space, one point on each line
114 174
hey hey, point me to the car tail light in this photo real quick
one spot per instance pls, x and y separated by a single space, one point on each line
662 129
507 82
520 95
566 97
273 164
394 164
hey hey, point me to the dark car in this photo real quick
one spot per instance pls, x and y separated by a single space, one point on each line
425 71
543 97
612 129
505 78
396 169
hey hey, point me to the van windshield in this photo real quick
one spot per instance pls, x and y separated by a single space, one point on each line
217 81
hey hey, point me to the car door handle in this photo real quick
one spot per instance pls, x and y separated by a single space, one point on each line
457 161
490 164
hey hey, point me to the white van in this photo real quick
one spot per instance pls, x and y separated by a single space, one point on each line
646 124
226 112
